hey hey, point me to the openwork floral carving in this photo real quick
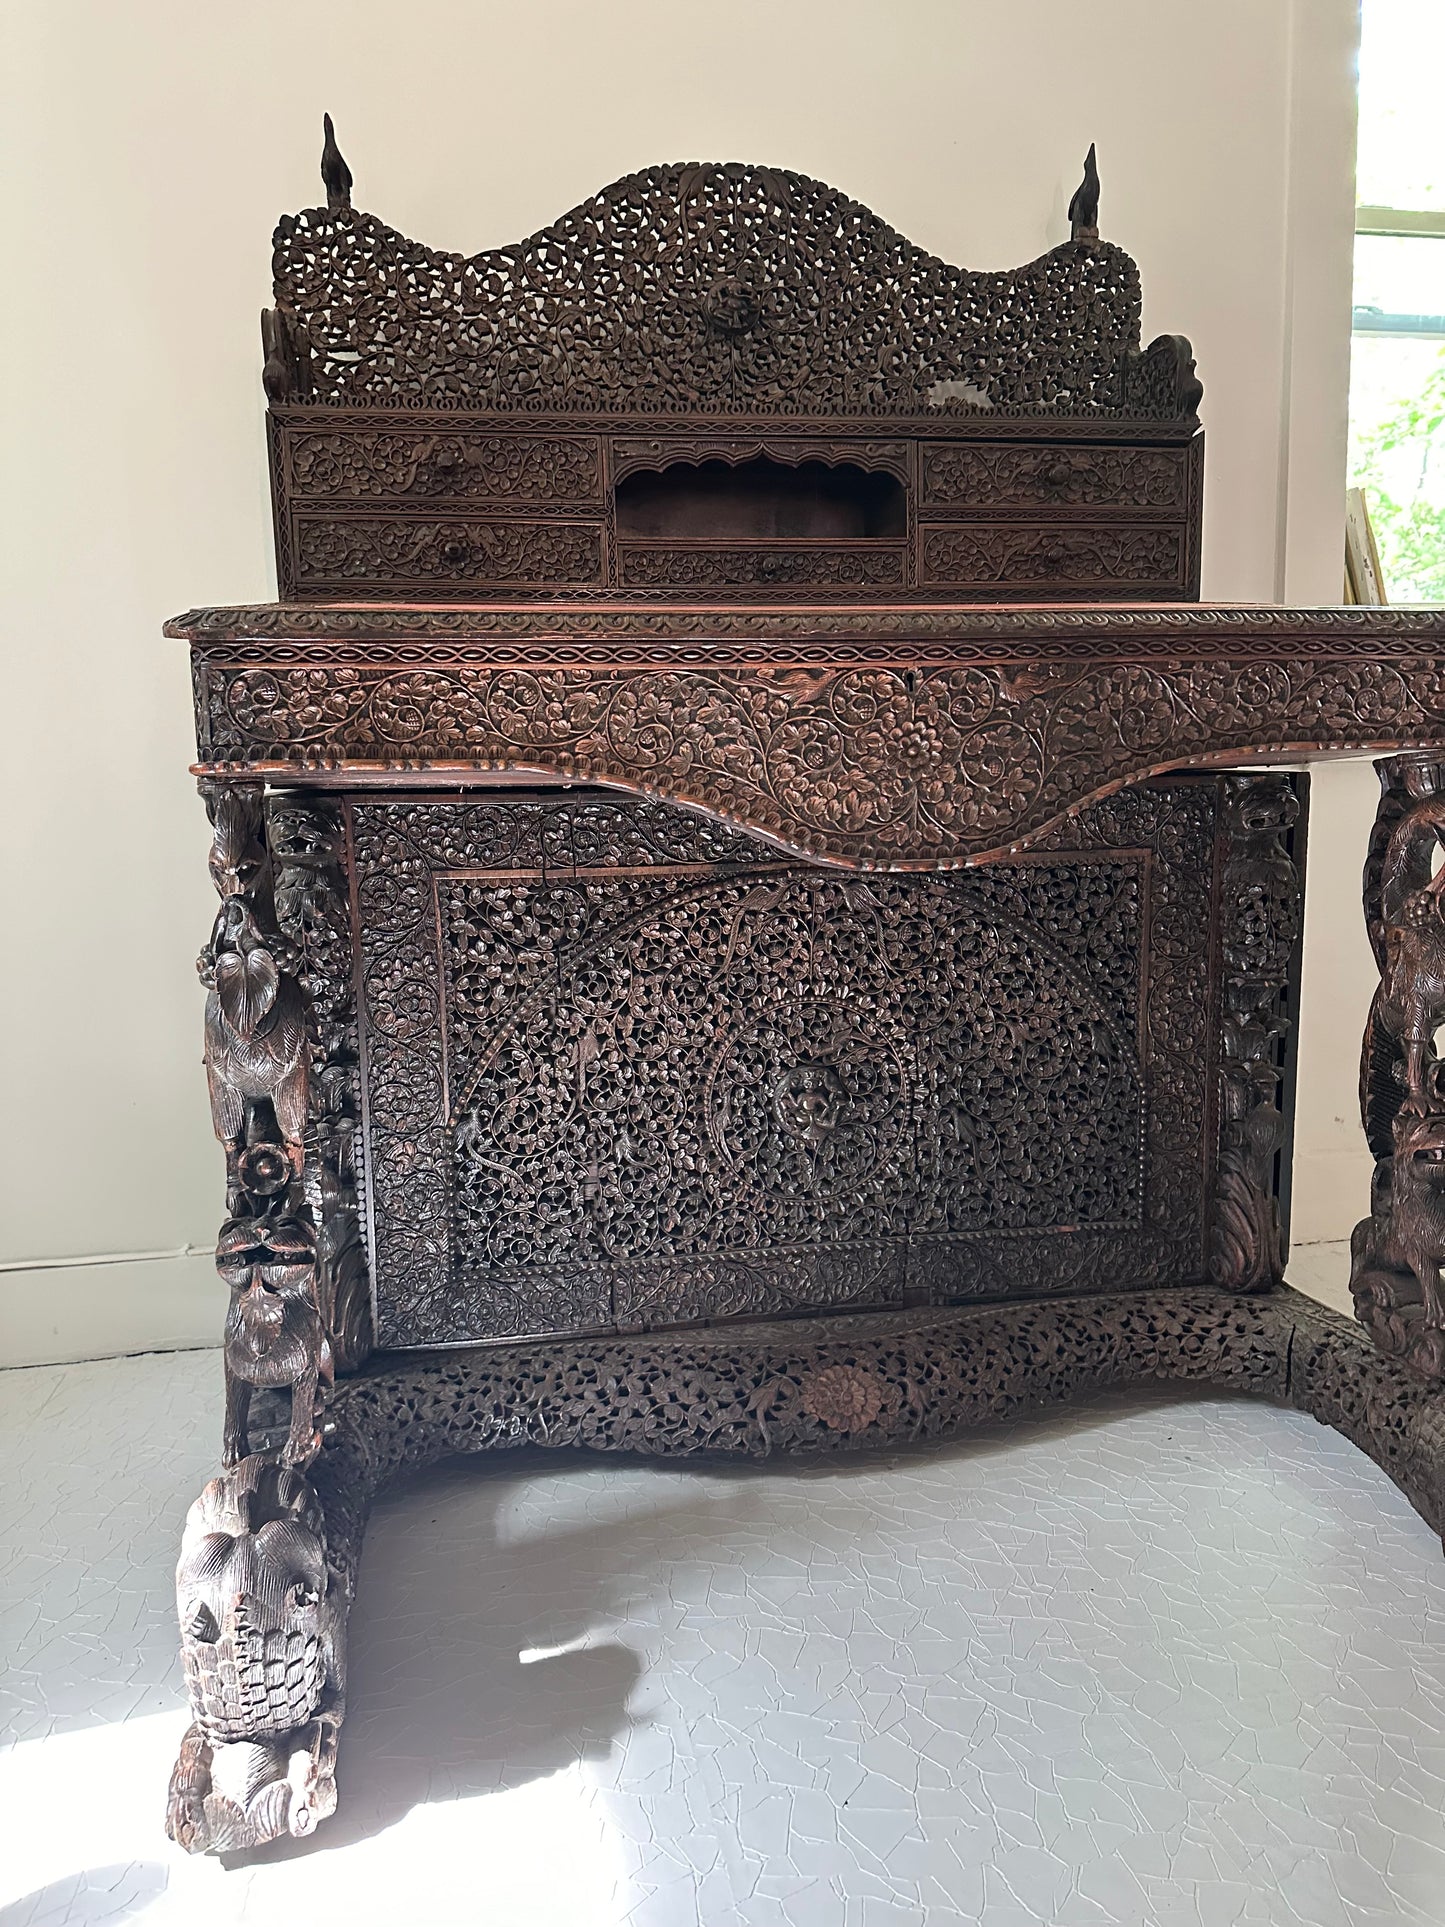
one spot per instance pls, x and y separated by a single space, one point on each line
807 1387
709 287
661 1108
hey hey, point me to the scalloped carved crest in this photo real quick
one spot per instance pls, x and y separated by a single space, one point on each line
709 287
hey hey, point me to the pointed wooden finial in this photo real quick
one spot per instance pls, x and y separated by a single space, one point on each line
334 172
1084 208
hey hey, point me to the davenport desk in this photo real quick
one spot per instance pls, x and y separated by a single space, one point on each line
754 910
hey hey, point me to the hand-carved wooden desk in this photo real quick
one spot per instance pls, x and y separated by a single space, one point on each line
819 1009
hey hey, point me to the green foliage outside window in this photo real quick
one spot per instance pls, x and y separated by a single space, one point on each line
1399 461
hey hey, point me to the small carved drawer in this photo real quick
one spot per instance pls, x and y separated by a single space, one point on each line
332 465
971 477
447 556
722 567
1057 559
625 1068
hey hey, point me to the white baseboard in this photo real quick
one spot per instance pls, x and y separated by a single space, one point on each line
1330 1194
52 1314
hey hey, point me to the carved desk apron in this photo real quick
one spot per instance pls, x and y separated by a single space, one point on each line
746 918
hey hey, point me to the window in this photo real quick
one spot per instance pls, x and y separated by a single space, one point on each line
1397 368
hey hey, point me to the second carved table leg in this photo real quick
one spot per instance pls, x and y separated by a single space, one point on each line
1399 1249
1260 917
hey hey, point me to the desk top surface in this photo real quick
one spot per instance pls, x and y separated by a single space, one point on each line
1193 625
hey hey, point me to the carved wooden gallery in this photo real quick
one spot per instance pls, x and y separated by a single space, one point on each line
750 915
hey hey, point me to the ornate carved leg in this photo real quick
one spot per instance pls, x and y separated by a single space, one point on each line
262 1604
1398 1250
1262 902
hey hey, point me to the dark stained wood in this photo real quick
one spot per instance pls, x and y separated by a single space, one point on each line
654 905
1399 1250
547 418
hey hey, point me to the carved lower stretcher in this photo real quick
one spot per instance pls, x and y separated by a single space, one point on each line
735 1022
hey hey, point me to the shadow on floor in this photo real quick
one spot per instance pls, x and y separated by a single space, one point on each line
441 1705
94 1894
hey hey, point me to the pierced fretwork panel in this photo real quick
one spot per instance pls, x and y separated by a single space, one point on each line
626 1069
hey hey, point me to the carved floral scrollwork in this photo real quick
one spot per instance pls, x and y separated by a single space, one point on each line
980 552
987 476
363 465
458 552
662 567
713 287
836 750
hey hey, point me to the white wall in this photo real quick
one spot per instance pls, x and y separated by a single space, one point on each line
151 148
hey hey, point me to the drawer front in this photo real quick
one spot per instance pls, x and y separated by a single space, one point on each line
1055 559
1145 481
367 465
458 556
715 567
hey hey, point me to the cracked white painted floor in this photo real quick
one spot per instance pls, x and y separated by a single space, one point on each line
1159 1660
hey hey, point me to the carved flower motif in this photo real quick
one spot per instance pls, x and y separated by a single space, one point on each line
263 1170
844 1398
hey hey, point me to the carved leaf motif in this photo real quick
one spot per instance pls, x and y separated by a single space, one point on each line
246 987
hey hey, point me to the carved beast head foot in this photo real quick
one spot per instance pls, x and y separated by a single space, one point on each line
254 1598
225 1799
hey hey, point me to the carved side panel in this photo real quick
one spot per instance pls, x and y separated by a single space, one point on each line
1261 920
626 1069
282 1066
1399 1250
703 287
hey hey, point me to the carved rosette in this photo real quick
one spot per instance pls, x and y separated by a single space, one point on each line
1261 921
1399 1249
